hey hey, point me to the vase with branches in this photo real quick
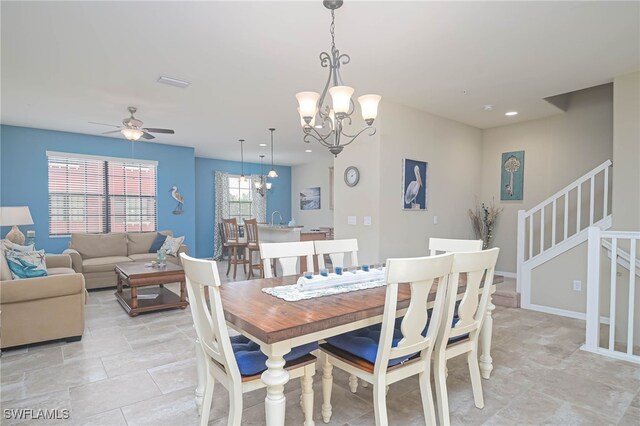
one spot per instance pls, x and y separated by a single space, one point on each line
483 221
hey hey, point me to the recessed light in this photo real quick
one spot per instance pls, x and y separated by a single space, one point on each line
511 113
307 150
173 81
488 107
263 144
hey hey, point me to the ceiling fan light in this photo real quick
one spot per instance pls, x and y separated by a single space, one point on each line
369 107
341 96
307 105
132 134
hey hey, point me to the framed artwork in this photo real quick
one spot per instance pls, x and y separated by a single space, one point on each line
414 185
512 181
310 199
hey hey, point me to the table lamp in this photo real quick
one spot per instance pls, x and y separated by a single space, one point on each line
14 216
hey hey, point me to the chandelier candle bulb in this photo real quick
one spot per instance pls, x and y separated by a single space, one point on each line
369 107
341 96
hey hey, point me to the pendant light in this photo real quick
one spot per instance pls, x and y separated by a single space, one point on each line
242 178
272 172
262 186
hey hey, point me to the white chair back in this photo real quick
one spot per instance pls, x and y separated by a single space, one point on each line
448 245
421 274
287 255
211 328
473 306
336 250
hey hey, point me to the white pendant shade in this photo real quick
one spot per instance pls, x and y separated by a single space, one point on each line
369 106
307 104
257 184
273 173
341 96
304 123
132 134
268 185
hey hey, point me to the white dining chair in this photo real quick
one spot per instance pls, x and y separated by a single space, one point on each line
287 255
382 355
236 362
462 337
336 250
448 245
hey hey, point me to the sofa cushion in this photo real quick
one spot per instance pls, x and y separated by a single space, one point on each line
103 264
172 245
139 242
99 245
5 274
143 257
60 271
27 264
9 245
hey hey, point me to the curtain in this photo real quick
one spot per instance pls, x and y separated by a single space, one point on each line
221 210
259 203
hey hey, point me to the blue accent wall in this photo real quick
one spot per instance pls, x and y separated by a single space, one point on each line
278 198
24 176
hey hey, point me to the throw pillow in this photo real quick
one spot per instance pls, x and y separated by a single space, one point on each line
26 264
172 245
157 243
8 245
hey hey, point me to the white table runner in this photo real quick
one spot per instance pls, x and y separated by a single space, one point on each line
319 286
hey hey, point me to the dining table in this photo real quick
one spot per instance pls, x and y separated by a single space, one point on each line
278 325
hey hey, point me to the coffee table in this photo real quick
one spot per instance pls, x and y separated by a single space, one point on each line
136 274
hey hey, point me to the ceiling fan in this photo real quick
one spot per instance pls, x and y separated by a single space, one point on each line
132 128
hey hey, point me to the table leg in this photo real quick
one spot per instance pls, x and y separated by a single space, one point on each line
201 370
119 288
183 291
134 298
486 362
275 378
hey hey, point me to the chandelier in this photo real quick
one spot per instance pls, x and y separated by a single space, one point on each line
333 117
263 186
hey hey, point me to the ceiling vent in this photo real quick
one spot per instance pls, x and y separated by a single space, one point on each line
173 82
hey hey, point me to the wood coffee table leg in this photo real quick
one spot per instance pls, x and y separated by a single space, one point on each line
183 293
134 298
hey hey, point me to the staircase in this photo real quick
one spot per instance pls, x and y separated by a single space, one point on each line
560 223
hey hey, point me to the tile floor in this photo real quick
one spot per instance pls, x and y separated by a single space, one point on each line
141 371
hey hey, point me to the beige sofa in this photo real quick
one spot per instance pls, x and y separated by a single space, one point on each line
96 255
40 309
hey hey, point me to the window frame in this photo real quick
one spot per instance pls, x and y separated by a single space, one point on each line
240 203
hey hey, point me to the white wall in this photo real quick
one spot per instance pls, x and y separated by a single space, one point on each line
452 150
312 174
558 150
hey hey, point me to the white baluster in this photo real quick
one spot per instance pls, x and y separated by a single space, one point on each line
605 206
632 294
612 305
592 200
553 225
566 215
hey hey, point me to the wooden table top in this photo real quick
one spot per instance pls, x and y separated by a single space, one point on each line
138 270
272 320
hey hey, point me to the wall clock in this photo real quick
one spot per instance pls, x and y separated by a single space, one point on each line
351 176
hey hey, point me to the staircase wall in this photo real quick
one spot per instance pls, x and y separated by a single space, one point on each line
558 150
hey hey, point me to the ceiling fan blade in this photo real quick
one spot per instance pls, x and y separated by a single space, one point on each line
103 124
168 131
111 131
147 135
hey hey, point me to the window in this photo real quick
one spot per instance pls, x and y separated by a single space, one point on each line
239 198
97 195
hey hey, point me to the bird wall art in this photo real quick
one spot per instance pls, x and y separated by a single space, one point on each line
179 198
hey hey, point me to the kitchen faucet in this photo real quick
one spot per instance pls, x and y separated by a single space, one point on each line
279 214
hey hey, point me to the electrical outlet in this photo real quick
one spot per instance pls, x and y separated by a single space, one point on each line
577 285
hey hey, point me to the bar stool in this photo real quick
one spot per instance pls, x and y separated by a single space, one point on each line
235 245
253 246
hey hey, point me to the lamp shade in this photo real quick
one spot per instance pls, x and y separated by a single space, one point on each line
132 134
10 216
341 97
307 104
369 106
303 123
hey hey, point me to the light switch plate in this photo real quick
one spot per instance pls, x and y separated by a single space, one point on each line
435 220
351 220
367 221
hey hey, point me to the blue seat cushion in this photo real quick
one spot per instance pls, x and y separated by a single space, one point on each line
364 342
252 361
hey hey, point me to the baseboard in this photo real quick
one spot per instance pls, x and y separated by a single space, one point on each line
562 312
506 274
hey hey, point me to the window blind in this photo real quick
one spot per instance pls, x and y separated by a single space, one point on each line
76 195
96 195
